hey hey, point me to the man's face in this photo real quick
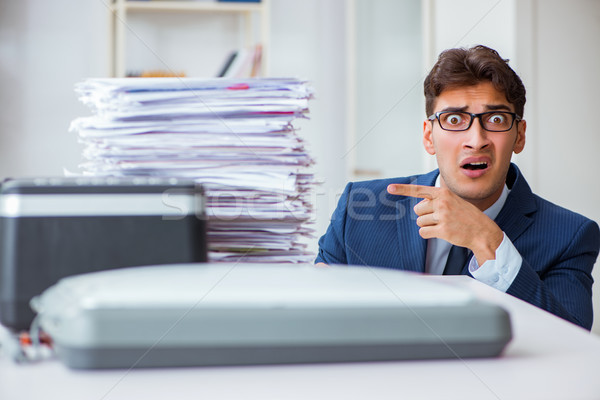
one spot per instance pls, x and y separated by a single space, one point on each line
473 163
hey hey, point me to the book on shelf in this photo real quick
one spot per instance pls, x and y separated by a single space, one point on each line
243 63
230 58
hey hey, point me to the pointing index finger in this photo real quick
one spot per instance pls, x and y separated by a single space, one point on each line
426 192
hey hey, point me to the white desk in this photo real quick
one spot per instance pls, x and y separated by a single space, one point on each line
547 359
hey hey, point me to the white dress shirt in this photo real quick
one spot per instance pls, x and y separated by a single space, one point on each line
498 273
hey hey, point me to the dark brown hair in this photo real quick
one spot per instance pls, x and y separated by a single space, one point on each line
468 67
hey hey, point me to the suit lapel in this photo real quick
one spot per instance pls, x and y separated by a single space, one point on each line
412 247
514 218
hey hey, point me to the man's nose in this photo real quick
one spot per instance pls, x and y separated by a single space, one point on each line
477 137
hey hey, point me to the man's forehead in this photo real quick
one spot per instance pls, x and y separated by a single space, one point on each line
482 95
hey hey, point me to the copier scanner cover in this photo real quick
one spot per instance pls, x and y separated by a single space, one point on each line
223 314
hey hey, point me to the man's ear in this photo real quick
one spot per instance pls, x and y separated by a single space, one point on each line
520 140
428 137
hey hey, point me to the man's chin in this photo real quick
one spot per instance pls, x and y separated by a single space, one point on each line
476 191
483 198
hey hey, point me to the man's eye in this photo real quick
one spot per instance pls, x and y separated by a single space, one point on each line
497 119
454 119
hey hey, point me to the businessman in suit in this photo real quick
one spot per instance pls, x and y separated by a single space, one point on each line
475 215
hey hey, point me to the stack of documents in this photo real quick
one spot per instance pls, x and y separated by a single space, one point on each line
234 136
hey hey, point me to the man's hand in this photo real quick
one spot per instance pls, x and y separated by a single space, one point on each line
442 214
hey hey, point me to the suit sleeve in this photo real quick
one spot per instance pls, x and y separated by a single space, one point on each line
565 288
332 248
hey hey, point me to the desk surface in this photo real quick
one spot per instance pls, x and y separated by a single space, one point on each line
548 359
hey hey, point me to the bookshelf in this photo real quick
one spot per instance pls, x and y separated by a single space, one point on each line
253 21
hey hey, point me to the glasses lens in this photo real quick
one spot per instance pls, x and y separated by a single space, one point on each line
454 121
497 121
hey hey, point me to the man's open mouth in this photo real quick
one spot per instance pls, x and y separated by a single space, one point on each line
476 165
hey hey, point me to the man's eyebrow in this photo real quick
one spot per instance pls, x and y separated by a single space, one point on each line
493 107
489 107
455 109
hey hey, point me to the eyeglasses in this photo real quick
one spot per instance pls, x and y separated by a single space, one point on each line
493 121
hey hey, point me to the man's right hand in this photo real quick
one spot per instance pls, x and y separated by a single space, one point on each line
443 214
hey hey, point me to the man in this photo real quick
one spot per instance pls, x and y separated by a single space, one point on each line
478 215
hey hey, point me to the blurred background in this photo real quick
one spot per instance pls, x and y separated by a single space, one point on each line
366 60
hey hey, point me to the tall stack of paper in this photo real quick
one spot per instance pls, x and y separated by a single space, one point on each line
234 136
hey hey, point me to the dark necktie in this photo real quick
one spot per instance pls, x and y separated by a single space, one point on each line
457 258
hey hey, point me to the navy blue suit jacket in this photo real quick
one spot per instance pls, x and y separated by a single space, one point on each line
558 247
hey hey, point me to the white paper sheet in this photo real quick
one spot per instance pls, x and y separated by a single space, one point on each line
235 136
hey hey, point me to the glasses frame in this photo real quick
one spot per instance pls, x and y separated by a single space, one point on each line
515 117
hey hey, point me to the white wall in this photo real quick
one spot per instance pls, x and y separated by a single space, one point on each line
307 40
567 106
45 47
459 23
387 131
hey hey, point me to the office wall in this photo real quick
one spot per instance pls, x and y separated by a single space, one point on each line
387 124
308 40
568 83
45 47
